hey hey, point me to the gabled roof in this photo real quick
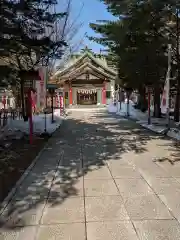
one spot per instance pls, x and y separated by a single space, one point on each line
78 63
86 67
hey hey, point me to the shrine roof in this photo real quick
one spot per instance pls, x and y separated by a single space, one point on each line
76 62
86 68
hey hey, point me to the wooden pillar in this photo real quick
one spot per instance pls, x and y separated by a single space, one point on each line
104 93
70 94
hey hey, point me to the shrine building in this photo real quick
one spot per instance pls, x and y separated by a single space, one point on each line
86 79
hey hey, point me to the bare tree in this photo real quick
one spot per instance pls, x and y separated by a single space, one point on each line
67 30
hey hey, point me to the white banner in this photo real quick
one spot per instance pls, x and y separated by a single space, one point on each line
165 94
41 87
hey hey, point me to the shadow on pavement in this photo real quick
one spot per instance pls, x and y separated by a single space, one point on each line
82 144
173 148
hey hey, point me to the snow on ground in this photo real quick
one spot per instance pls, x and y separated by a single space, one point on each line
38 123
174 133
112 108
158 125
133 113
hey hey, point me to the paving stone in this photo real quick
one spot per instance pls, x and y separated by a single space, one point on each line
22 213
67 173
75 231
66 210
105 208
124 172
149 172
39 179
172 201
46 165
69 188
72 160
111 230
146 207
177 179
34 190
133 187
46 155
100 187
103 142
118 160
164 185
97 172
27 233
157 229
41 174
174 171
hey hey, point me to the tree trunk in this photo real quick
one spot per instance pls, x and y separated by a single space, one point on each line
142 101
22 99
177 103
157 102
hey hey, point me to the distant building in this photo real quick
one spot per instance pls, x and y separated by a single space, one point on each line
86 79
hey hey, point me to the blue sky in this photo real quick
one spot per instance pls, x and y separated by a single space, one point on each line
93 10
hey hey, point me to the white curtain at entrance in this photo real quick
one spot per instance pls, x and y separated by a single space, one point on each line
87 91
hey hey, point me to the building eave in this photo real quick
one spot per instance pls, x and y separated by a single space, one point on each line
79 71
90 56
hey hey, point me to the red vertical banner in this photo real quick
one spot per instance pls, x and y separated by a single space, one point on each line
57 101
70 96
61 102
104 94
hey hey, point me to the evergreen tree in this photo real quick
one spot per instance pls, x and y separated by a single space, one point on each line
27 36
139 39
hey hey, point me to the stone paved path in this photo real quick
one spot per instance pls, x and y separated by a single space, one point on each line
101 177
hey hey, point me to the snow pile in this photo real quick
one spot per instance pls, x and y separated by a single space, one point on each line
38 124
174 133
112 108
116 108
157 125
133 113
124 109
